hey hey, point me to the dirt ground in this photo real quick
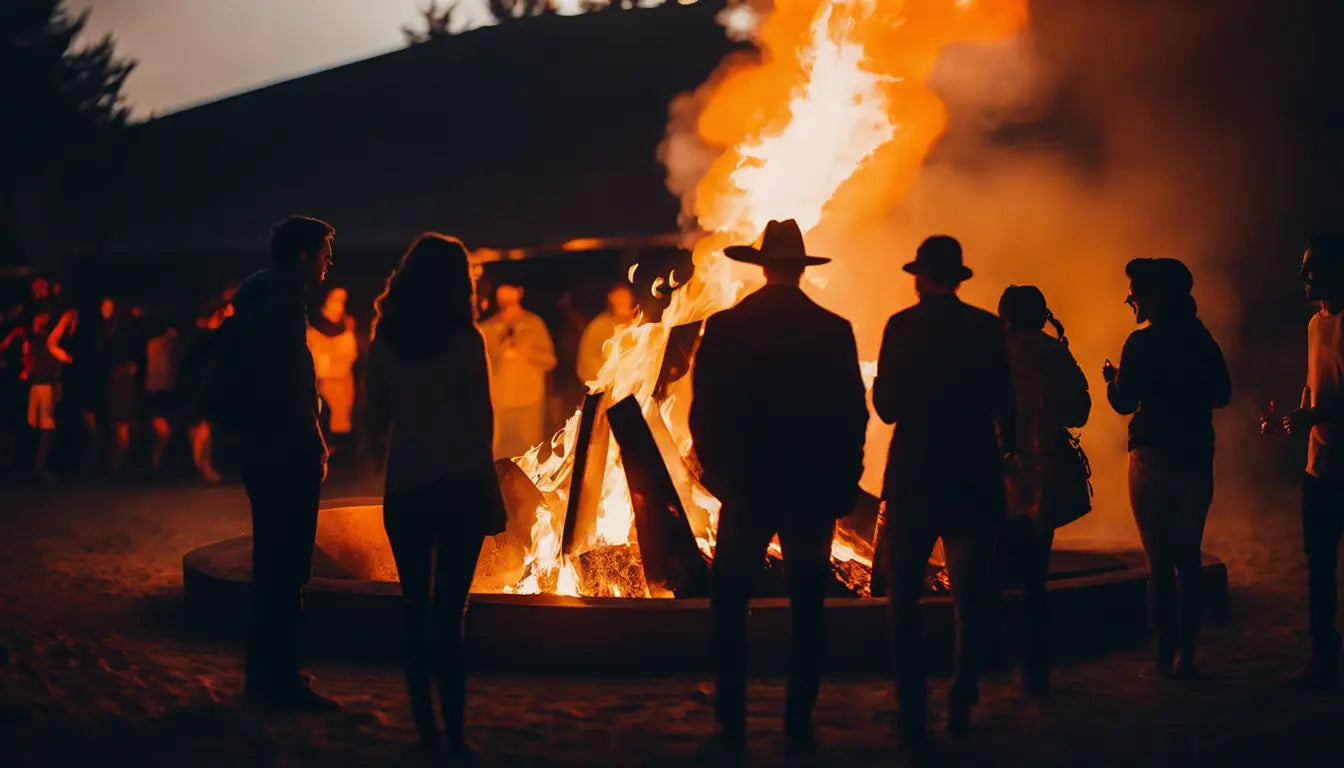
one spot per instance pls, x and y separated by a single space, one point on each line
95 667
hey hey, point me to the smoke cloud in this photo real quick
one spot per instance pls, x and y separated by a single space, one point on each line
1105 131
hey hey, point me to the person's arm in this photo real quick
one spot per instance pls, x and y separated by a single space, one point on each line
475 383
542 351
1220 380
886 395
851 405
58 333
1125 389
8 340
1001 394
1070 395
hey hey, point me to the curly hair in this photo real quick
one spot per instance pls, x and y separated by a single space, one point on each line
428 298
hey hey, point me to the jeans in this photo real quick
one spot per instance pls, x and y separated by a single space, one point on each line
968 555
1024 562
1322 526
739 555
284 522
436 542
1171 502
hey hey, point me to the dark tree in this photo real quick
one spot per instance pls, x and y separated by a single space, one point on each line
65 116
435 22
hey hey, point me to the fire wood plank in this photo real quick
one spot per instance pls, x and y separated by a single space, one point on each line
666 544
585 480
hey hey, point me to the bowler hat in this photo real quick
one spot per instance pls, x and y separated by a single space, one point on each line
939 257
782 243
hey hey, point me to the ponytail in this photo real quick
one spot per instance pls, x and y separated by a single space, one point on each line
1059 327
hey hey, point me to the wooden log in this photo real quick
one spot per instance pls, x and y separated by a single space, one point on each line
678 354
667 547
585 479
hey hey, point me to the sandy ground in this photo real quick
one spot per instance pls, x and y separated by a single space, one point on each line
95 666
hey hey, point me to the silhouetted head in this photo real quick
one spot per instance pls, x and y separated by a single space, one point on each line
938 266
107 308
1023 308
1159 290
428 298
303 245
39 288
1322 271
621 303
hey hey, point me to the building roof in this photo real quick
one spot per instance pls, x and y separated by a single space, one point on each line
531 132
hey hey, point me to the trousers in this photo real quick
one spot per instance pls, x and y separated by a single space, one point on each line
1171 503
739 556
284 523
969 553
1322 526
436 541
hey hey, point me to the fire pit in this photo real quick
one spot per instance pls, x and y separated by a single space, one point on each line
1098 593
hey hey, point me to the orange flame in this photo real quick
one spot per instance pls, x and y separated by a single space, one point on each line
832 123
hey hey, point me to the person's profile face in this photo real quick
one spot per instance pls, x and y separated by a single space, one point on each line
1320 277
621 302
322 261
508 297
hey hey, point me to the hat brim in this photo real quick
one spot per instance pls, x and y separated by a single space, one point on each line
961 273
750 255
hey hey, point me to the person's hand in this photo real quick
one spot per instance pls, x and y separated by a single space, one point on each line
325 464
1268 423
1012 463
1301 420
1109 372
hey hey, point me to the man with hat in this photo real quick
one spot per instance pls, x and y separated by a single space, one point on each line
778 420
1172 376
1323 483
943 380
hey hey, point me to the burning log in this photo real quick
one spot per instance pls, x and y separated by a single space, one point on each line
585 482
612 571
667 546
682 341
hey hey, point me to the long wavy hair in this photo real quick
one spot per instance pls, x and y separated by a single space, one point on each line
428 298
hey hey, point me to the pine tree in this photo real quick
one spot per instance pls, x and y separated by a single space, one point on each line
65 114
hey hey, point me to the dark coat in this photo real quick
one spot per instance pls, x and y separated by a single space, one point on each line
278 422
943 380
779 415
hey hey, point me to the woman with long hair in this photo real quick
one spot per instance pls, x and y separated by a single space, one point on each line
1172 376
429 386
1044 492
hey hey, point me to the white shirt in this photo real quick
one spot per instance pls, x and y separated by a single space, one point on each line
1325 376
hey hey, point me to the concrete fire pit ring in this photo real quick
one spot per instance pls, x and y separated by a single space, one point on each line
1097 595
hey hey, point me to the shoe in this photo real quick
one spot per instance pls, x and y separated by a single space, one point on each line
301 698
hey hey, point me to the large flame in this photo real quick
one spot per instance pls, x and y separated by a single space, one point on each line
831 123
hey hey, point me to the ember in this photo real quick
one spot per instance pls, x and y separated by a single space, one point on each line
837 93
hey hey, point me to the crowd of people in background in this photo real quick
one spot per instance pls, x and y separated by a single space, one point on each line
106 389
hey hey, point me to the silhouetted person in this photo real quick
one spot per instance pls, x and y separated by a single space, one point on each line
778 419
1171 377
162 402
335 349
521 354
429 382
1323 482
943 380
284 459
42 372
622 310
1046 489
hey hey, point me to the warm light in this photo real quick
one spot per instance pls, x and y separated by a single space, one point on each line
836 98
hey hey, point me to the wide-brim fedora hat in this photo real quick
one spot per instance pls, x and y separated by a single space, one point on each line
939 257
782 244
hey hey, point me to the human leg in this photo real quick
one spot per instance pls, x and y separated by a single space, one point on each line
967 557
1150 497
413 550
806 547
908 547
454 568
738 552
1322 525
